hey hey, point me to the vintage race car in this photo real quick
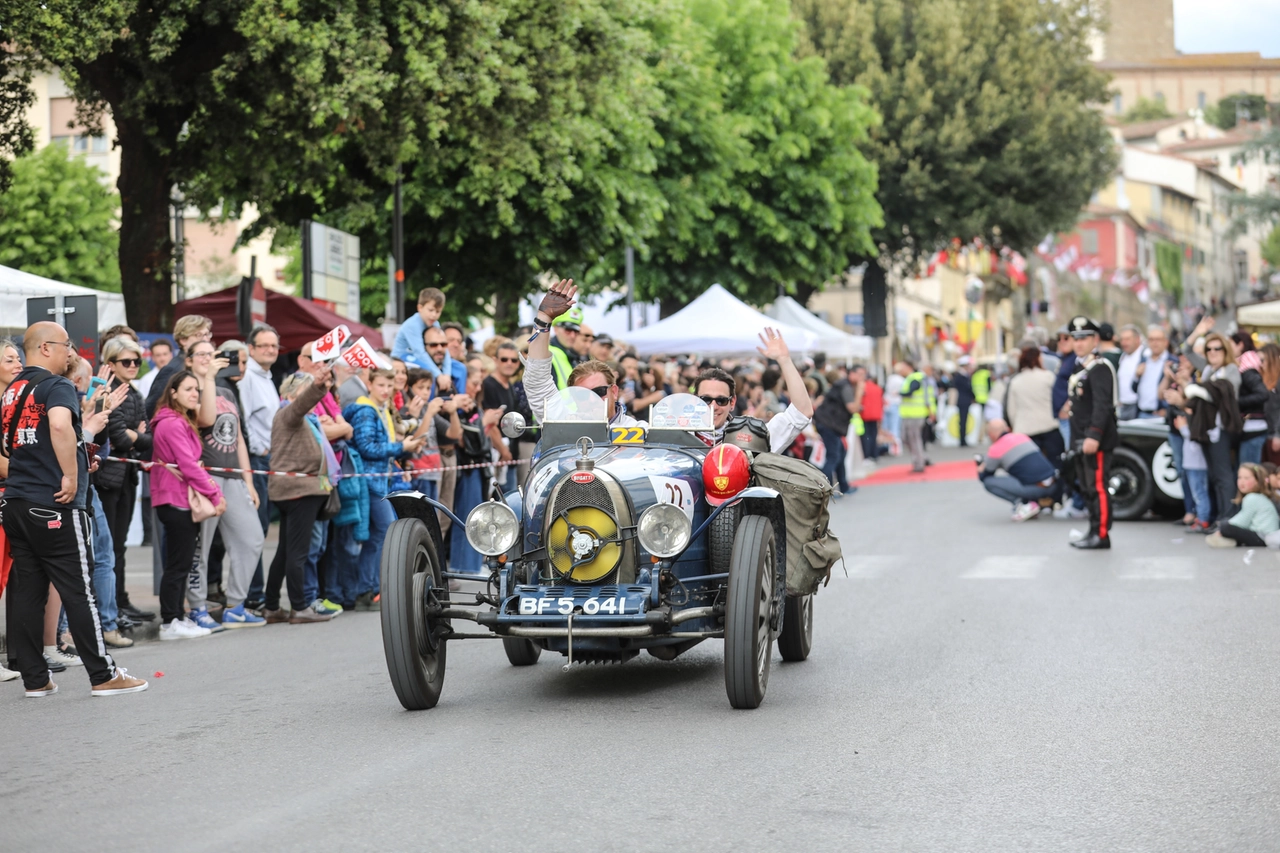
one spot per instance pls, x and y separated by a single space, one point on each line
1143 476
611 550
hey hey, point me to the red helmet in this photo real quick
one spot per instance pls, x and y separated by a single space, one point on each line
725 472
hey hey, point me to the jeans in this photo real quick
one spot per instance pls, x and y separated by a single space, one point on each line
890 421
462 557
310 574
381 515
260 481
836 452
104 566
1197 492
1064 427
1015 491
429 488
1251 447
346 566
1175 447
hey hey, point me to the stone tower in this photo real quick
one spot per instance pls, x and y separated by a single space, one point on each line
1141 31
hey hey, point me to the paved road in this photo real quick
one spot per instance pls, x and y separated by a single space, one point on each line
975 685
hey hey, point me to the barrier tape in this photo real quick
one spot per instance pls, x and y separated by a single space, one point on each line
147 466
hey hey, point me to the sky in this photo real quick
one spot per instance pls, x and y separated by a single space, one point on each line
1222 26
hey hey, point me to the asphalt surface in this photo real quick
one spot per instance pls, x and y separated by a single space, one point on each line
974 685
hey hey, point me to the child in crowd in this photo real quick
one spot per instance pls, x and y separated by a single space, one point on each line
424 466
1257 515
1196 468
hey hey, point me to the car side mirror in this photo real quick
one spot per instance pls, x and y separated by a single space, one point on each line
512 425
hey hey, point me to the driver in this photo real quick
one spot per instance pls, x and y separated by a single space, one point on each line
540 385
716 388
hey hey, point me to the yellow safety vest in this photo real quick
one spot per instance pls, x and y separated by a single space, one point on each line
981 381
858 427
561 367
919 403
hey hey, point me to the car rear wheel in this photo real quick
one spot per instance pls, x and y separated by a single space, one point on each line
748 637
521 652
1131 485
412 584
796 638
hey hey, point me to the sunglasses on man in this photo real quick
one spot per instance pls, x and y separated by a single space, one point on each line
600 391
127 362
719 401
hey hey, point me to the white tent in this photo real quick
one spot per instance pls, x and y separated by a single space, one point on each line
715 324
1260 315
17 286
836 343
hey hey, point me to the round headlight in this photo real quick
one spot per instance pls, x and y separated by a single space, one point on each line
664 530
492 528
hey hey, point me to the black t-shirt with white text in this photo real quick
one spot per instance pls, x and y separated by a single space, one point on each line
220 443
34 472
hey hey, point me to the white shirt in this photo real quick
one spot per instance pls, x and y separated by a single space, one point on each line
893 389
260 401
144 384
540 387
1149 382
1126 372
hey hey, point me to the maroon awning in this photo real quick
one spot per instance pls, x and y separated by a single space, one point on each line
297 320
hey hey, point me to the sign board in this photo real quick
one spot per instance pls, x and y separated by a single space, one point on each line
331 268
77 314
853 319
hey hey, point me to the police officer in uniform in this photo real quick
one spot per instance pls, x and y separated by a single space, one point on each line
1092 393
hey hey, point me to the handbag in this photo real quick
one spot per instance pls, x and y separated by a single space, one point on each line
201 506
332 506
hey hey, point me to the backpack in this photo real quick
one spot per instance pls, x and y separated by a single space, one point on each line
812 549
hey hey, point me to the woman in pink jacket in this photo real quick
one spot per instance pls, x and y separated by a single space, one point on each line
177 442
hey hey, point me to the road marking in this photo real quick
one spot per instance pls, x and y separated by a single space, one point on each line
869 566
1159 569
1006 568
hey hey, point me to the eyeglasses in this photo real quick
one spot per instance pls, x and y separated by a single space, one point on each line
436 345
509 360
719 401
1214 349
589 337
66 344
208 354
128 362
601 391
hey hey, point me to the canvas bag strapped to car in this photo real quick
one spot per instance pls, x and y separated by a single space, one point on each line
812 549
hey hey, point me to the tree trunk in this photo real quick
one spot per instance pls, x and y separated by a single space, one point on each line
146 247
506 314
670 305
804 292
874 301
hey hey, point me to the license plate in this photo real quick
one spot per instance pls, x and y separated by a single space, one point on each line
594 606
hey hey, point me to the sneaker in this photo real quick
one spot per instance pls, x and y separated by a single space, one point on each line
238 617
1026 511
1217 540
1198 526
122 683
376 603
308 614
324 605
57 654
7 674
124 623
55 665
364 602
48 690
135 614
274 617
182 629
116 640
202 618
1069 511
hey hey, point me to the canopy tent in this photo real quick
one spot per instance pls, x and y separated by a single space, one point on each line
836 343
715 324
1260 316
16 287
297 321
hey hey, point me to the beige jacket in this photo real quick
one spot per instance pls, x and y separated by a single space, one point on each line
1029 409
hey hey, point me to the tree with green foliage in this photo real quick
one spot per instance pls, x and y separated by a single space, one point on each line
762 180
1237 107
16 97
1271 248
1262 208
987 130
57 220
1147 109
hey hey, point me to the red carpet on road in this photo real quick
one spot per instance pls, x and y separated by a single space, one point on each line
963 469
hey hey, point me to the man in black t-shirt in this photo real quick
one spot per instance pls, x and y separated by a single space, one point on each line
502 390
832 419
45 519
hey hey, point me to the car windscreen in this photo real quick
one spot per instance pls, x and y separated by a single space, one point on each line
682 412
576 405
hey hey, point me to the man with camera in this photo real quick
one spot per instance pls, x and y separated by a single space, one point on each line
1029 475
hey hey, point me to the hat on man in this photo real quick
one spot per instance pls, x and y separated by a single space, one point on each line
604 338
1081 326
964 361
570 320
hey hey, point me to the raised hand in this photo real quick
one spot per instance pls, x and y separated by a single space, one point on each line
559 299
775 348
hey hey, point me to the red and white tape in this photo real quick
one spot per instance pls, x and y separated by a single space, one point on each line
147 466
